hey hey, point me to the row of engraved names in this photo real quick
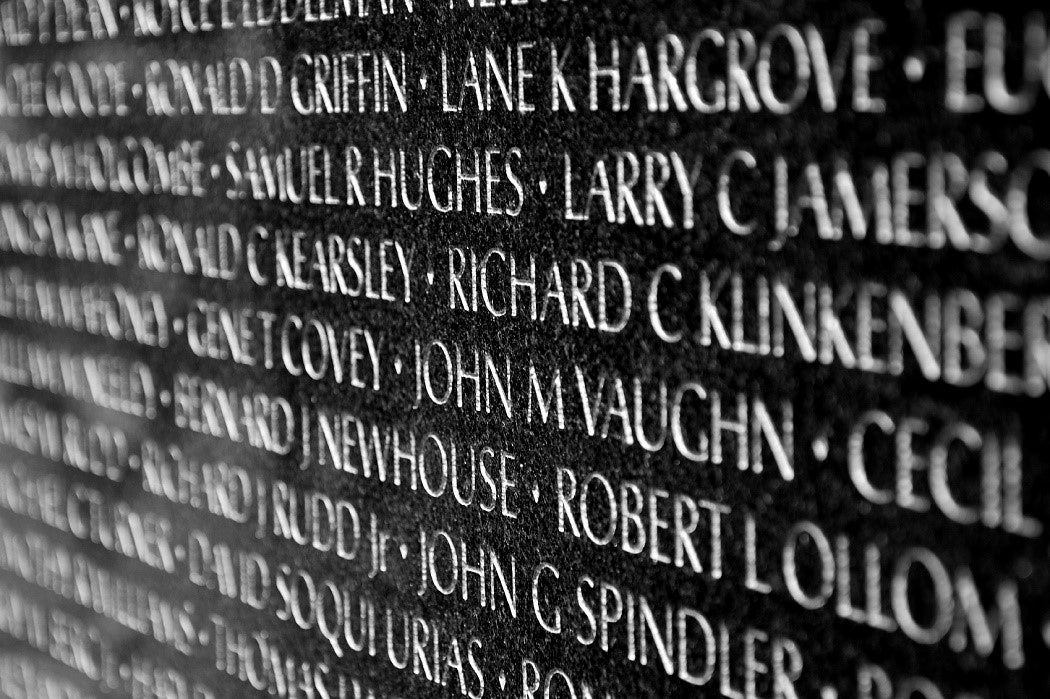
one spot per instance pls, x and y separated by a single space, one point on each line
708 72
38 22
778 70
933 200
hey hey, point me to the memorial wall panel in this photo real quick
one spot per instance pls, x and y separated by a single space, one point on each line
552 349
